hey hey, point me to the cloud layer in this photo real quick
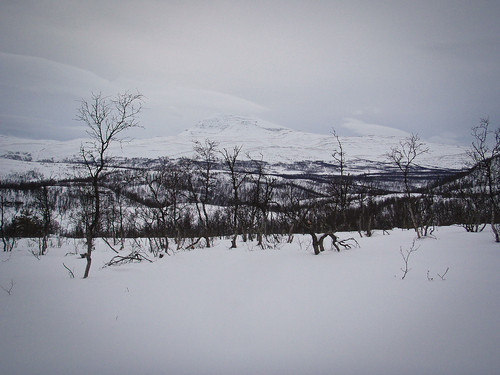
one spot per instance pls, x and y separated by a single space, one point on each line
426 67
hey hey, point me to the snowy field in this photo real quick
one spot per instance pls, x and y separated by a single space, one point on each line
251 311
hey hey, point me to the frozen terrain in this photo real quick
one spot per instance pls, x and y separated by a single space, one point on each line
259 139
249 311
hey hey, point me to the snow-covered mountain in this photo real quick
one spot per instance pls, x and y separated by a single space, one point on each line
279 146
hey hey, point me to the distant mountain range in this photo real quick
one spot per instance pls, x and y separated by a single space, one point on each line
285 151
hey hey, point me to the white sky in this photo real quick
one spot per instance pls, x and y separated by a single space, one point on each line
427 67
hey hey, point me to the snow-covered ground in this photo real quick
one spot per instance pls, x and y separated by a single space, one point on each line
251 311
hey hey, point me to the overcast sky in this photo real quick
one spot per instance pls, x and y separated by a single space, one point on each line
361 67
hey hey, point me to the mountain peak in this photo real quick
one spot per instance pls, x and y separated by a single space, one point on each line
276 144
232 123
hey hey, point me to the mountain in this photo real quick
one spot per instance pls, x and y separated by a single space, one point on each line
285 150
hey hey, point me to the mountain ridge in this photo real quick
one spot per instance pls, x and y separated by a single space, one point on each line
277 145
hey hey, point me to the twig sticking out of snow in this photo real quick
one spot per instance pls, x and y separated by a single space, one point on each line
406 256
71 273
9 289
440 276
428 277
444 274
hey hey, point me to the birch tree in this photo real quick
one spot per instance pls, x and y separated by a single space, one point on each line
106 119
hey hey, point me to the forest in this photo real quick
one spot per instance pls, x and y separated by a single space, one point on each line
186 203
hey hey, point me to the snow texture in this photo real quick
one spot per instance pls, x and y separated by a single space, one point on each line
249 311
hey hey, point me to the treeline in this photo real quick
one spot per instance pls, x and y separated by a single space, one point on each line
190 202
218 192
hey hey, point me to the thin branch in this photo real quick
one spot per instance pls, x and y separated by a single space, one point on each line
71 273
135 256
444 274
406 257
111 247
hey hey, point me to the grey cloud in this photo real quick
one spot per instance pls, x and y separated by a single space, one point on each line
428 67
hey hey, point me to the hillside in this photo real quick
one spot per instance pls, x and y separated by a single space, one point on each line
285 150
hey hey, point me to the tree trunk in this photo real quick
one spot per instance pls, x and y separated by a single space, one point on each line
44 245
88 256
322 238
494 227
92 230
290 233
233 241
315 243
410 208
413 220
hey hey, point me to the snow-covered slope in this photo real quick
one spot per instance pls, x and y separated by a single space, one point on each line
243 311
279 144
276 144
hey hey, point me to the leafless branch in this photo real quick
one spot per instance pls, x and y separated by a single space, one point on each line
444 274
345 243
406 256
110 246
71 273
35 253
134 256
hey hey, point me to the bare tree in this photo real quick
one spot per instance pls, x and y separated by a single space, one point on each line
293 211
404 157
237 178
176 191
485 154
473 201
341 186
45 203
300 208
155 212
206 157
163 204
365 202
7 241
114 215
260 199
106 119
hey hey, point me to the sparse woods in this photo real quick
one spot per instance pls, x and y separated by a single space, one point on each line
484 157
171 204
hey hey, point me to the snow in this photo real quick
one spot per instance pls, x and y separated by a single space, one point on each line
251 311
274 143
